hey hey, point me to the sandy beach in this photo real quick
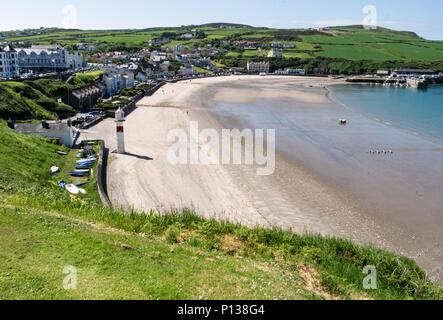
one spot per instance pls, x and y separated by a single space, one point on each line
302 194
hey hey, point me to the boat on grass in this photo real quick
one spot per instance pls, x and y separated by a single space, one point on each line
80 173
81 184
86 160
84 166
72 189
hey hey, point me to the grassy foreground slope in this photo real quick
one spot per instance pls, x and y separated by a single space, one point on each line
176 256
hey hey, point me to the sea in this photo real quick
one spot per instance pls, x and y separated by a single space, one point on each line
419 111
388 159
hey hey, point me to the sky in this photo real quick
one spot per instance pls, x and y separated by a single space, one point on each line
423 17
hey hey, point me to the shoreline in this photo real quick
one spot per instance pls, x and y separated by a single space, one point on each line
295 197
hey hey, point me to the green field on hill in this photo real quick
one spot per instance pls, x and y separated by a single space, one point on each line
350 43
127 255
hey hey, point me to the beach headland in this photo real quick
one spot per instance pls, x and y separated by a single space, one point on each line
324 181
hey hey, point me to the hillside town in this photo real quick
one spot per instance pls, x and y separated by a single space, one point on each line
168 57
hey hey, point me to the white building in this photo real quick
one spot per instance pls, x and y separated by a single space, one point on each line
63 132
89 47
9 67
300 72
46 57
128 78
113 82
179 48
116 80
275 54
181 59
75 61
188 36
258 67
281 72
188 70
158 56
164 66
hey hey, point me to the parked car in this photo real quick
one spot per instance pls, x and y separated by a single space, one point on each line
76 122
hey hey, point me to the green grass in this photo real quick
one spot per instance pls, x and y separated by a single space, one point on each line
255 53
201 70
151 269
128 255
84 79
355 52
33 99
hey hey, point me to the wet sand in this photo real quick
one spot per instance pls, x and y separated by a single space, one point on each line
325 181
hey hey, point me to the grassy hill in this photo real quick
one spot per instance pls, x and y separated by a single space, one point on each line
33 99
341 50
125 255
350 43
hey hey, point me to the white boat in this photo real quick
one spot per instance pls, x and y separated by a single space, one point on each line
54 169
86 160
72 189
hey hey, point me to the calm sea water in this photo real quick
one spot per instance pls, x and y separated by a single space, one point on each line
403 191
420 111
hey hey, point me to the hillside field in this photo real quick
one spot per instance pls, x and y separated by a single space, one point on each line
350 43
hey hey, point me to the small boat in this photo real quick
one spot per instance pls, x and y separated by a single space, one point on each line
79 173
86 160
62 184
81 184
85 166
54 169
343 122
61 153
72 189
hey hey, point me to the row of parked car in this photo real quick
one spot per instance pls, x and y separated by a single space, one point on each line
86 118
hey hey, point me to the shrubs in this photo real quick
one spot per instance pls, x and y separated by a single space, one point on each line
32 100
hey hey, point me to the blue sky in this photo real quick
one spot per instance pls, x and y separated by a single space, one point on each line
423 17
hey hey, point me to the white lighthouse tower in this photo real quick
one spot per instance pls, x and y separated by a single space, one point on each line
120 120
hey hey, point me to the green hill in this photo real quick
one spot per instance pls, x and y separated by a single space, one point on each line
379 44
125 255
33 99
341 50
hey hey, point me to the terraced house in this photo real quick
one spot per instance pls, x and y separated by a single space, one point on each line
9 67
